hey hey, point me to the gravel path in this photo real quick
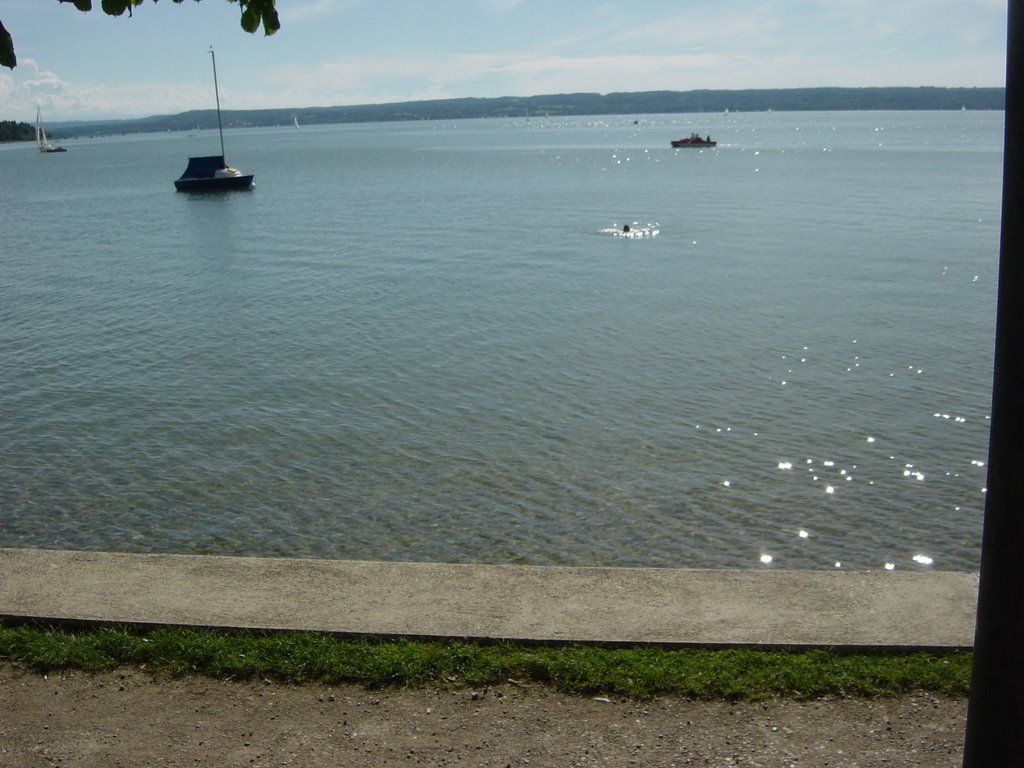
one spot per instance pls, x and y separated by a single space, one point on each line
129 718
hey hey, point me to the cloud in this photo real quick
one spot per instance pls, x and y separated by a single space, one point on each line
315 9
729 30
357 80
500 6
28 86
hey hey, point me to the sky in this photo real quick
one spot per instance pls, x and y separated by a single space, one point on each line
84 66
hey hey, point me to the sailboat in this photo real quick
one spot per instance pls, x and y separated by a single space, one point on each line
44 145
211 173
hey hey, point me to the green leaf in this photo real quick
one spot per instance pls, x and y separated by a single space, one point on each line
256 11
270 21
7 57
250 20
114 7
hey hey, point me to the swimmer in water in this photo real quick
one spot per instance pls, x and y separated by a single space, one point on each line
625 227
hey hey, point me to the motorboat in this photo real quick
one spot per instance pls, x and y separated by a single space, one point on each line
694 140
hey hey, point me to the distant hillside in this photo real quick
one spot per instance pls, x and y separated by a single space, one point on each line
558 105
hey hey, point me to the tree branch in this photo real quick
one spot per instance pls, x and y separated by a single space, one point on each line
255 13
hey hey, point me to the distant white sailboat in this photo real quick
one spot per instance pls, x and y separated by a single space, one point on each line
296 121
41 141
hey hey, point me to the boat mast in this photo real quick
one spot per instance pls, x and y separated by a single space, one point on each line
216 91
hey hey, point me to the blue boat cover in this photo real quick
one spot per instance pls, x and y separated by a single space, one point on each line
203 167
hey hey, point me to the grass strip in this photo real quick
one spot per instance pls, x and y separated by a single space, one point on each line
639 673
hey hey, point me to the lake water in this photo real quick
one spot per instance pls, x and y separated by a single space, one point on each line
429 341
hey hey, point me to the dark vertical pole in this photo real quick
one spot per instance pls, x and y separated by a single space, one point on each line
216 91
995 713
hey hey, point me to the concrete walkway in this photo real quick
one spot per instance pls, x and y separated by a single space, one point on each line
607 605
